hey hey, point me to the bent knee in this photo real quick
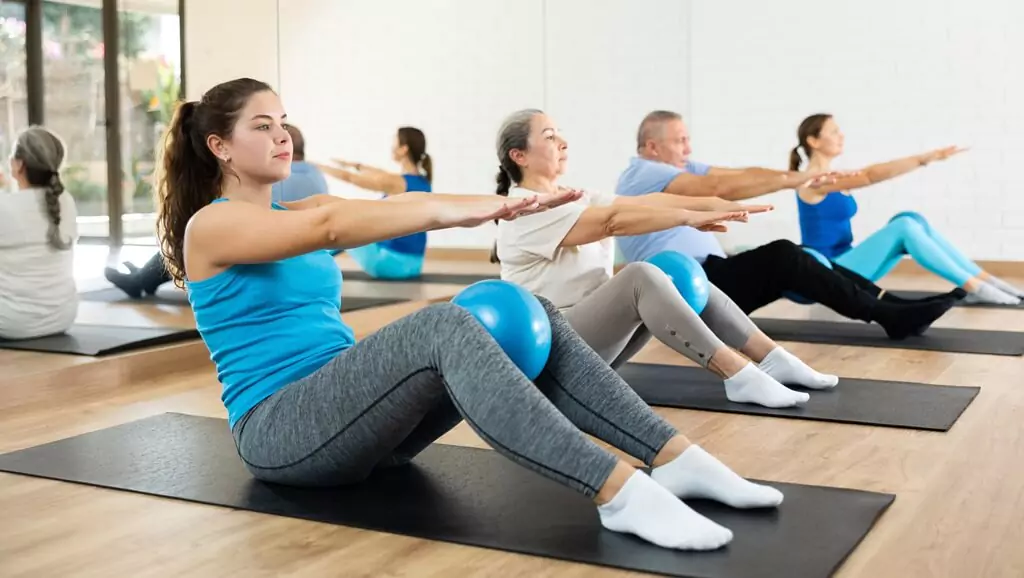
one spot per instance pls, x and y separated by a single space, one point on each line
906 225
641 273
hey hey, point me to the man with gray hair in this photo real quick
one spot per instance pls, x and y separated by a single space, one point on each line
765 274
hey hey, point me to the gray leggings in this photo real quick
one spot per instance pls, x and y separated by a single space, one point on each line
619 317
383 401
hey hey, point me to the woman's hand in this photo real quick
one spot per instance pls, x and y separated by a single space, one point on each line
713 220
345 164
491 208
940 154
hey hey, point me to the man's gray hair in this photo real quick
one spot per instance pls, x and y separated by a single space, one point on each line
653 123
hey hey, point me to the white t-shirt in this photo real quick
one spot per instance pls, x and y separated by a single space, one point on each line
530 256
38 295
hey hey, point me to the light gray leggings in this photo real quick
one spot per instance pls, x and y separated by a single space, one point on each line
387 398
619 317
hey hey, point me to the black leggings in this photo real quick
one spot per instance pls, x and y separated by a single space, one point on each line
760 276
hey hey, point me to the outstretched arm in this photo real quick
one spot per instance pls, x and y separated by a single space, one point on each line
737 186
690 203
225 234
374 180
627 219
881 172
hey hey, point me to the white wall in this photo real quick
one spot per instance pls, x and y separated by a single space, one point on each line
902 78
353 71
227 39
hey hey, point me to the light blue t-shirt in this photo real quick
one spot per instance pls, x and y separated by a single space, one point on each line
305 181
643 177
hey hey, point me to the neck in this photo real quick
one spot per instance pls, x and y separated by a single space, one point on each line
23 184
539 184
241 190
819 162
409 168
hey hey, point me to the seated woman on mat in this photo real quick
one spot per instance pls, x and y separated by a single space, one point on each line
309 406
304 181
825 220
400 258
566 254
38 231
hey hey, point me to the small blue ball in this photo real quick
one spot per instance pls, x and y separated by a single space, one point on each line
687 275
515 319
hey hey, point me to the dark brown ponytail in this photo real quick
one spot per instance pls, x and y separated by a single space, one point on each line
810 127
428 167
191 176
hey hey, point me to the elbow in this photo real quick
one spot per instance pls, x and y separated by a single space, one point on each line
614 225
327 226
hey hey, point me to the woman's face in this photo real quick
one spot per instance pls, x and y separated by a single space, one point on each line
399 151
547 151
260 147
829 141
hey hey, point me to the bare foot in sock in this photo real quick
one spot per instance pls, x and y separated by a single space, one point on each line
751 385
903 320
987 293
788 369
698 474
648 510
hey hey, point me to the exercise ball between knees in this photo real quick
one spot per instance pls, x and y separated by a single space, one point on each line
800 298
687 275
515 319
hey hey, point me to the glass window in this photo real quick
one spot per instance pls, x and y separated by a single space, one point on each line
74 105
150 78
13 87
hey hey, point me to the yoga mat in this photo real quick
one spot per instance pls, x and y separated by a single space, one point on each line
961 303
859 401
865 335
98 340
438 278
178 297
461 495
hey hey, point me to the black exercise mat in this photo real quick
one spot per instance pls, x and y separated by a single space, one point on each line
860 401
98 340
960 303
178 297
462 495
865 335
438 278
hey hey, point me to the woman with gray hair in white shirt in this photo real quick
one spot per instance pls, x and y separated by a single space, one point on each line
566 255
38 231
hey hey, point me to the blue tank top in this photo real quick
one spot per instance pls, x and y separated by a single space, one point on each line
825 227
269 324
415 244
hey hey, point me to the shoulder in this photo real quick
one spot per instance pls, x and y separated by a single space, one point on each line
697 168
644 176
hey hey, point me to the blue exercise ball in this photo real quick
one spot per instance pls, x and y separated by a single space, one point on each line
515 319
912 215
800 298
687 275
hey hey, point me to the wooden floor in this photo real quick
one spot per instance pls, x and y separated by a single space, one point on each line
959 510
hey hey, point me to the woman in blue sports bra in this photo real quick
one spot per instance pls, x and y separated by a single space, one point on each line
825 220
400 258
308 405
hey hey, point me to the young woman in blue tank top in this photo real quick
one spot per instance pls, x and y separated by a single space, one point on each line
309 406
400 258
825 220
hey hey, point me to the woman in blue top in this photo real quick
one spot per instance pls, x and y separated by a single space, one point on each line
400 258
825 220
308 406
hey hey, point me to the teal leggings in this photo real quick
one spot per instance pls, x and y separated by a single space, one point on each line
382 263
908 234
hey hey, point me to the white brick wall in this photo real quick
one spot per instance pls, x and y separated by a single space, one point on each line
902 78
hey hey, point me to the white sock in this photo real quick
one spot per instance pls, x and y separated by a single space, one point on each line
698 474
1005 287
647 510
991 294
788 369
751 385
